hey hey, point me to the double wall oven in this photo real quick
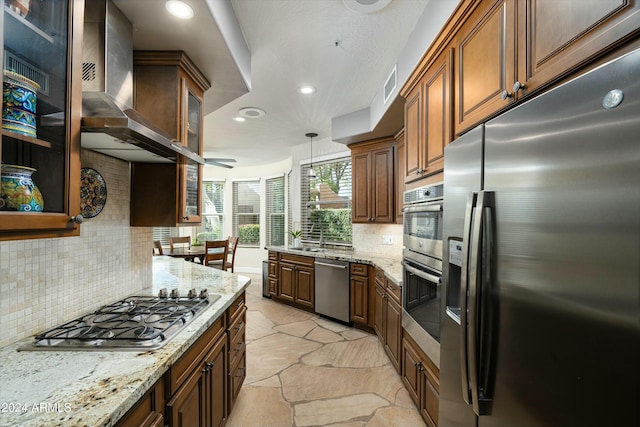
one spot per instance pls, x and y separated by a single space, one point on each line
422 265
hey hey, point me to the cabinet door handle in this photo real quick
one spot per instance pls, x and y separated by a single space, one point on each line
77 219
517 86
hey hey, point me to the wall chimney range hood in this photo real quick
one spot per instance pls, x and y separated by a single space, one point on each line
109 124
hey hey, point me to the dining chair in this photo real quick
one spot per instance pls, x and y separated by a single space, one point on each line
183 241
215 253
233 245
157 247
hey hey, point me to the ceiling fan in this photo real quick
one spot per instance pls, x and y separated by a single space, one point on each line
217 161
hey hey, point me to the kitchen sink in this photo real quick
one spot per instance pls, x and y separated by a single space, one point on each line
304 249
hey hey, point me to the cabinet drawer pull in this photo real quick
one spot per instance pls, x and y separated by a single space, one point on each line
240 326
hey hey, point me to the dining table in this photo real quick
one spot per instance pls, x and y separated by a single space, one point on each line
189 253
186 253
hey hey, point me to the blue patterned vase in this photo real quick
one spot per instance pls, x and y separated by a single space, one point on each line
17 190
19 104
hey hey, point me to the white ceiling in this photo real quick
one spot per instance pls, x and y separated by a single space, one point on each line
346 55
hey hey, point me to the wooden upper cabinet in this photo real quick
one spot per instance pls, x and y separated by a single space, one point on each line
41 54
556 36
509 49
485 66
400 165
373 176
169 90
428 121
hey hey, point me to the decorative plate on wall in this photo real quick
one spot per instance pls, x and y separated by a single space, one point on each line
93 192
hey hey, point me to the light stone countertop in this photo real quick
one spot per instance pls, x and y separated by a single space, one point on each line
96 388
390 263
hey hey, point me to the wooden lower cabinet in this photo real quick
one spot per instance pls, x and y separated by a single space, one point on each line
201 387
148 411
237 366
200 400
272 276
296 280
422 380
360 295
387 317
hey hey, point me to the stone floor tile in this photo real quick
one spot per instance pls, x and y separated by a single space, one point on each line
260 406
281 314
394 416
331 325
258 326
354 334
323 335
341 409
327 382
298 329
269 355
362 353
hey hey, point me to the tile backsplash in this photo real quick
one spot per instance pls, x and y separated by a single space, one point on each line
369 238
44 282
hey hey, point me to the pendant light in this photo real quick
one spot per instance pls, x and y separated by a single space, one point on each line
311 172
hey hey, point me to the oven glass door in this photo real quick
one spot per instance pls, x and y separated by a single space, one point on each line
421 296
423 229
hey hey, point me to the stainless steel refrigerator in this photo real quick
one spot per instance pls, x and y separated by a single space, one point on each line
541 314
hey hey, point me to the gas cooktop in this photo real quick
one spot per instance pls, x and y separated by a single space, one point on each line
139 323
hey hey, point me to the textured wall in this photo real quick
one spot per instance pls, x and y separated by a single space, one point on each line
44 282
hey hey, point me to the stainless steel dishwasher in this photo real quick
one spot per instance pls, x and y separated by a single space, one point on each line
332 289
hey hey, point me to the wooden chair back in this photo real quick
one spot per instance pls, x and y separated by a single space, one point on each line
233 246
180 241
215 253
157 248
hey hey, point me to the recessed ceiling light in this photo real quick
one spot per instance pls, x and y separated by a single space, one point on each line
251 112
239 119
306 89
179 9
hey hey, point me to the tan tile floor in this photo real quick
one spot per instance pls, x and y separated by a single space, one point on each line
304 370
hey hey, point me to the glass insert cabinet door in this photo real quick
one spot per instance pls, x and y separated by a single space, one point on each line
190 203
41 109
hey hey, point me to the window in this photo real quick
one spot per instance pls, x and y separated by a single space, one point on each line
246 212
212 227
326 202
275 211
163 234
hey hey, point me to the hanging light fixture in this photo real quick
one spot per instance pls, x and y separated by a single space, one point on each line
311 172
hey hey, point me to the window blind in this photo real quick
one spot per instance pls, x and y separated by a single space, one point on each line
274 211
163 234
246 212
326 202
212 227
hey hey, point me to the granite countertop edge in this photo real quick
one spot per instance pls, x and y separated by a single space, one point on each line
391 265
96 388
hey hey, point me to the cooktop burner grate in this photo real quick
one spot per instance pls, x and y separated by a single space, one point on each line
134 323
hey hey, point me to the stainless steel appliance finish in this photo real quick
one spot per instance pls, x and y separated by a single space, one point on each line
542 247
139 323
422 267
422 225
332 288
109 124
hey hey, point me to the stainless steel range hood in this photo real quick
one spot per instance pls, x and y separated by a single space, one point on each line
109 124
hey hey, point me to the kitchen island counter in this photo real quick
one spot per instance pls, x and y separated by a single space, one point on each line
392 266
96 388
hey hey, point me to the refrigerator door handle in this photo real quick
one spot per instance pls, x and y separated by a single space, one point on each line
466 241
476 289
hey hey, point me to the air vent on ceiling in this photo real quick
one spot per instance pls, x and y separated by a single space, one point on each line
20 66
390 84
